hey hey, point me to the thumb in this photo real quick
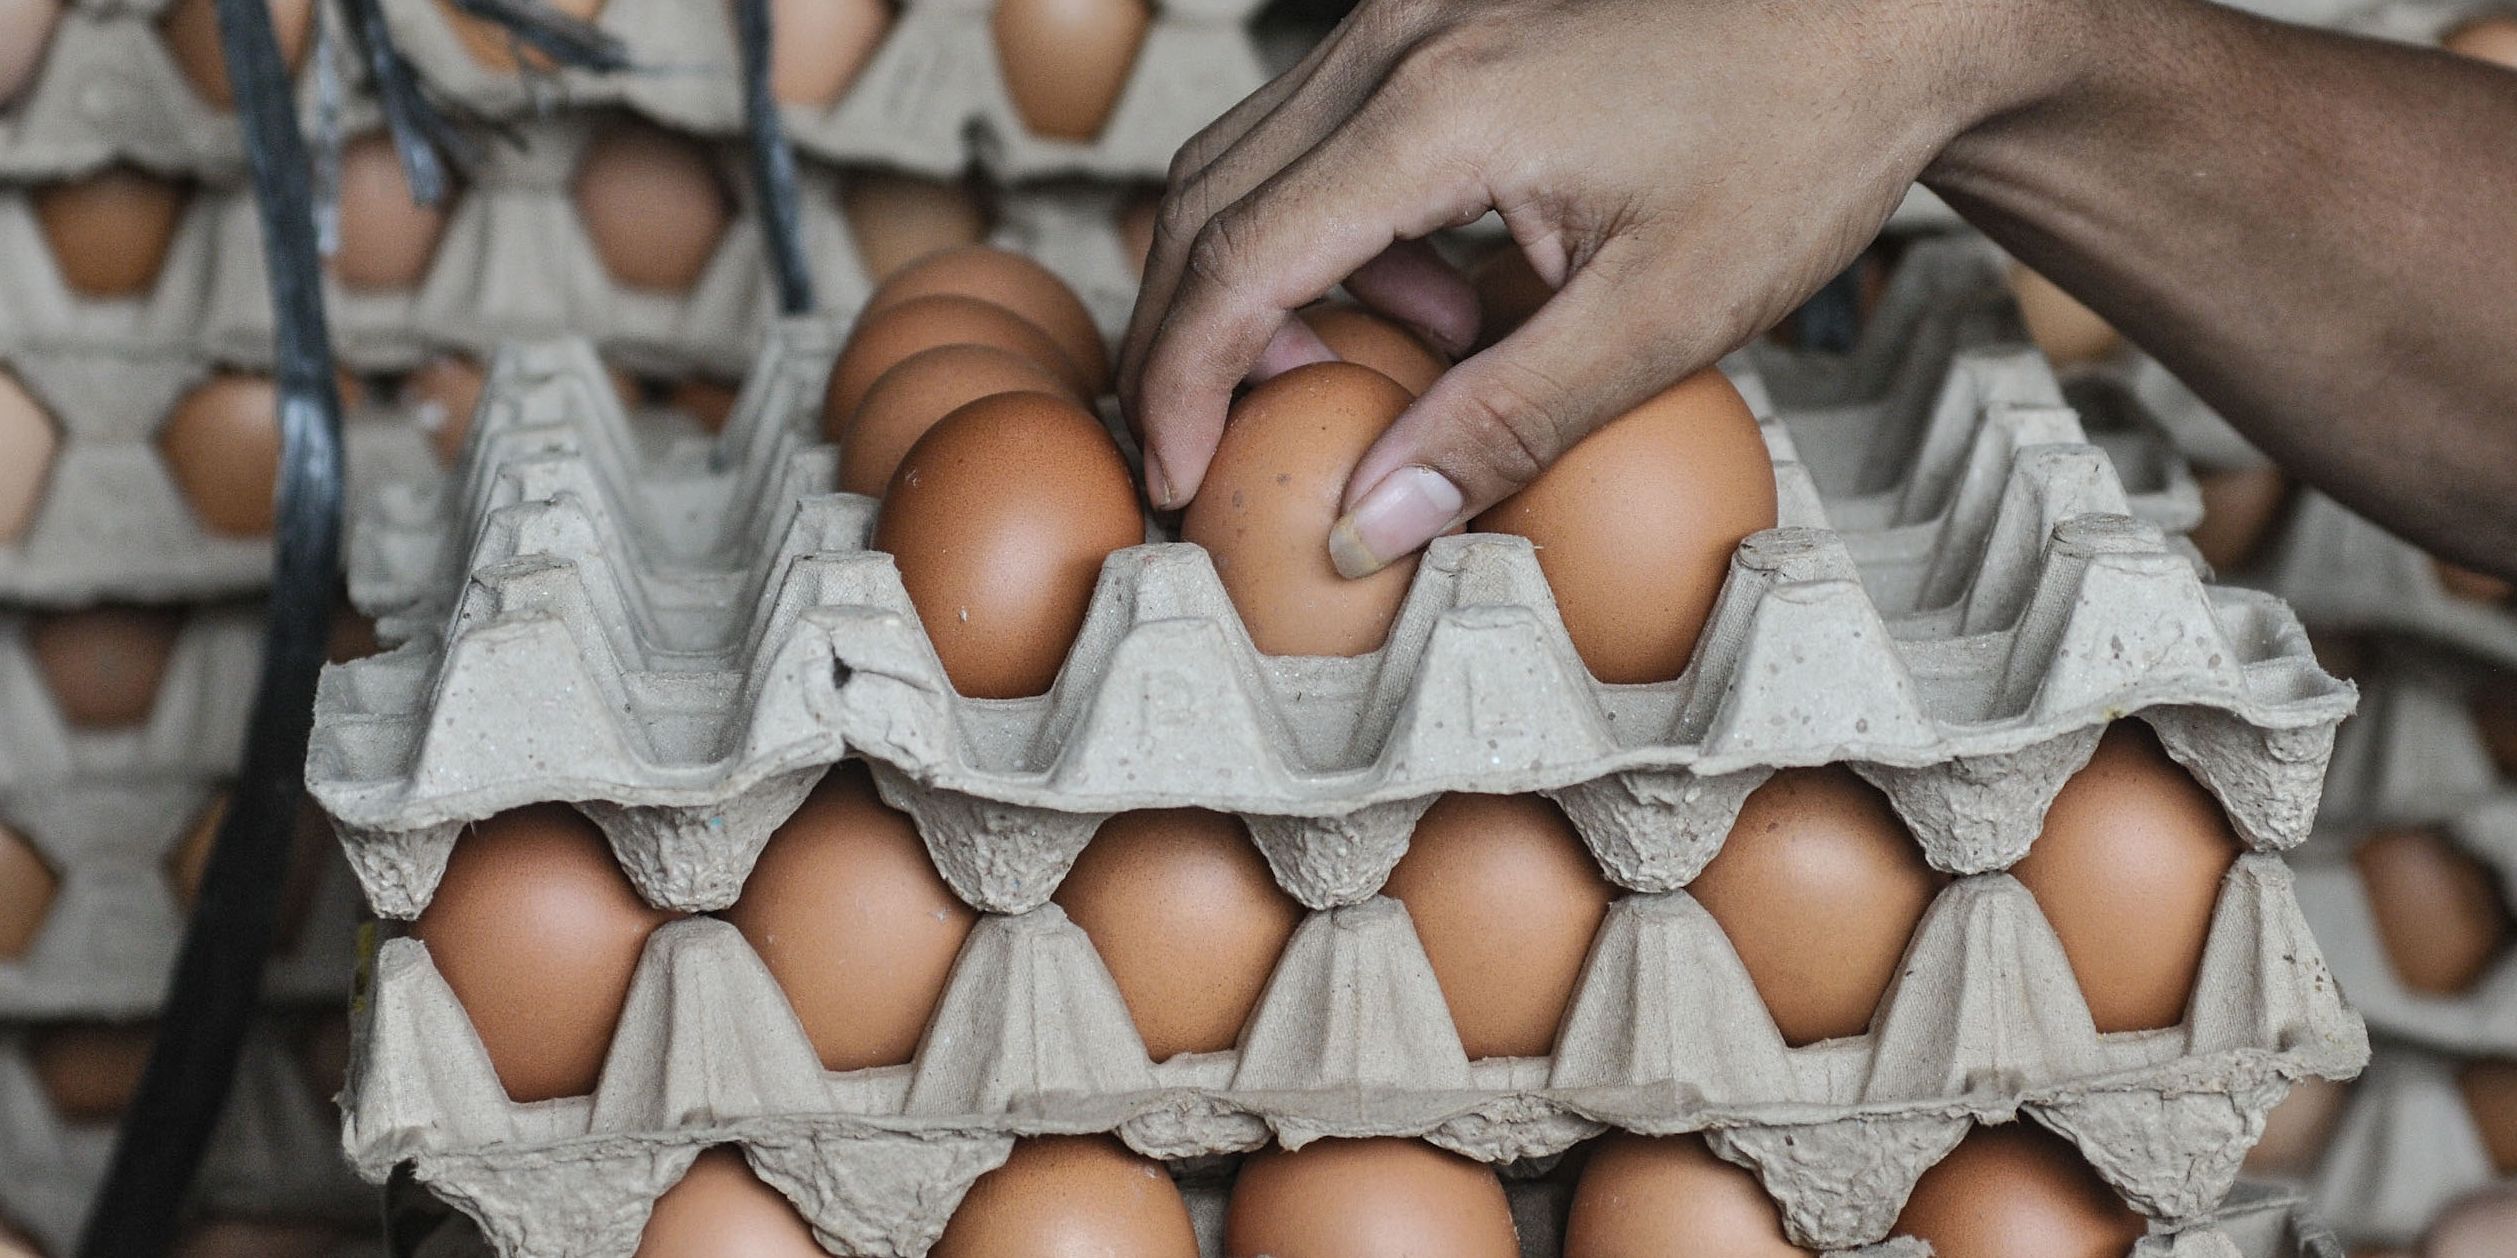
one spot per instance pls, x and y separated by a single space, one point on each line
1491 424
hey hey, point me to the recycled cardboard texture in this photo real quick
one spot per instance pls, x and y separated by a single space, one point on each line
2342 571
108 90
2405 1146
931 99
271 1158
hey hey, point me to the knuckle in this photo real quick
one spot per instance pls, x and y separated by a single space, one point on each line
1182 216
1515 417
1215 254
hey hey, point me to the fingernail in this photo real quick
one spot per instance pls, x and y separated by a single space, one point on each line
1401 513
1157 482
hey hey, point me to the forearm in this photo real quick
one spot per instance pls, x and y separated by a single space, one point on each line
2318 234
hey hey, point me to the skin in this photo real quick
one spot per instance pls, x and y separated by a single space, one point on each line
2308 228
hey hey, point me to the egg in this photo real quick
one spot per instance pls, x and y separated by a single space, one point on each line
537 931
27 887
654 204
2018 1191
387 240
190 29
1137 217
495 48
1188 920
1065 62
441 395
2471 585
2068 332
223 445
2495 718
885 339
1819 887
1636 523
2490 1088
2437 910
1382 1198
719 1208
919 390
104 666
1362 337
706 399
818 47
848 914
353 637
90 1071
1669 1197
28 441
1509 291
1071 1197
263 1238
999 519
2298 1129
1005 278
2240 509
26 28
1505 899
2341 654
2492 38
110 231
2475 1226
310 857
1270 497
897 219
2127 871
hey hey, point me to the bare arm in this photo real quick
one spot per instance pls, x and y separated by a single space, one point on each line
2318 233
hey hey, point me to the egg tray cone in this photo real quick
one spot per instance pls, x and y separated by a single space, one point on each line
272 1156
2343 572
2404 1147
1665 1033
2413 754
931 99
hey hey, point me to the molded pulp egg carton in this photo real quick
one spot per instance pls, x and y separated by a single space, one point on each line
931 98
273 1155
106 809
2404 1147
2412 754
108 90
2344 572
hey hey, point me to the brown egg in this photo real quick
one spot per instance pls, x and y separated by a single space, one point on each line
1071 1197
2341 654
28 441
1819 887
1635 525
2490 1088
26 28
2068 332
2298 1129
1505 899
1066 61
110 231
1182 909
1669 1197
654 206
2476 1227
818 47
223 445
1387 1198
104 665
441 396
2438 911
1360 336
2471 585
898 219
89 1071
999 519
387 239
919 390
190 29
1270 497
2128 871
2018 1191
850 917
27 887
538 931
2240 509
2495 716
719 1209
1137 217
884 340
495 48
263 1238
705 399
310 856
1005 278
2492 39
353 637
1509 291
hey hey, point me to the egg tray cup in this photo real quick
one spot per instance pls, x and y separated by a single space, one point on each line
2344 572
108 90
931 99
2404 1147
272 1157
2413 754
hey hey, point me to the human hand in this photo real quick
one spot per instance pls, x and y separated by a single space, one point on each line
1683 172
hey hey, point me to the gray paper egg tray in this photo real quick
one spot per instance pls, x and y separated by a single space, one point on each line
194 733
109 90
2404 1148
2343 572
931 99
1665 1033
272 1156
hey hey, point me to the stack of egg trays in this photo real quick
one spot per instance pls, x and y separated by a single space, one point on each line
108 90
932 99
2406 1143
681 645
